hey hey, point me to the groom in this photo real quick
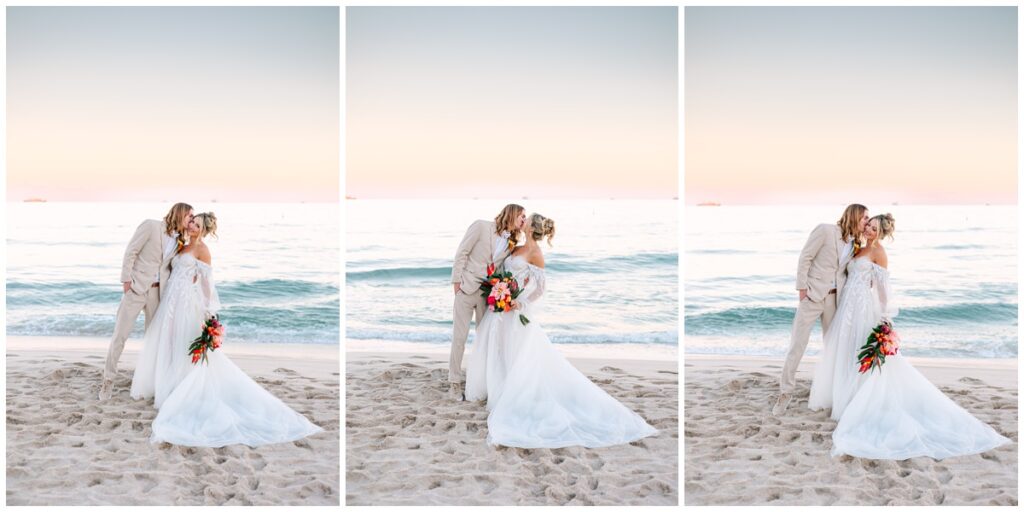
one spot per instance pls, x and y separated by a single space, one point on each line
820 275
143 272
485 243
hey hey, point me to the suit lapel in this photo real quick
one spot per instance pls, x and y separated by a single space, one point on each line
840 248
490 246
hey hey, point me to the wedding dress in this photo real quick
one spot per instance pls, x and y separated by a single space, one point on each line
536 398
213 404
893 412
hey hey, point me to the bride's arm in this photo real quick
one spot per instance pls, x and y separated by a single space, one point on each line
210 296
884 290
533 289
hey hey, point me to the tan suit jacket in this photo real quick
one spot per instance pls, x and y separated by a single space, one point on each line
475 252
819 264
144 257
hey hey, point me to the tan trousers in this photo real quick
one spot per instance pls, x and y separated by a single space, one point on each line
806 314
466 307
131 304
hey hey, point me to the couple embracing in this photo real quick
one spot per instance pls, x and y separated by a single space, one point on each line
167 272
535 397
883 412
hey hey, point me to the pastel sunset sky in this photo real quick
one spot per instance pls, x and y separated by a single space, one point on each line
555 102
173 103
815 105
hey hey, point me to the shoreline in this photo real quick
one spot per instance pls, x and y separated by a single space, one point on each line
628 351
941 371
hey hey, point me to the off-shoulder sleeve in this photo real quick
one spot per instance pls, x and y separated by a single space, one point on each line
884 289
210 295
534 288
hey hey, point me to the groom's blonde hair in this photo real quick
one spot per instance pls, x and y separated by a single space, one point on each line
506 221
850 220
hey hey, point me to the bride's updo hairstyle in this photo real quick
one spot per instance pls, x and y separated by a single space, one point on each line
886 225
542 227
207 223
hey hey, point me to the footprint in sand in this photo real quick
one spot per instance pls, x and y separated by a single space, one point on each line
486 483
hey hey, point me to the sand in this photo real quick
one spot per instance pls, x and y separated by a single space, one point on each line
64 447
408 442
737 453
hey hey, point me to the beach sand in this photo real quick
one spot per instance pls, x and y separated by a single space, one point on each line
64 447
408 442
737 453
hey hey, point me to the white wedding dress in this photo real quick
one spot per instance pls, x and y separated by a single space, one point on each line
214 404
893 412
536 398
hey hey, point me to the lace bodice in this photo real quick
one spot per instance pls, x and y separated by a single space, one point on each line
189 272
864 278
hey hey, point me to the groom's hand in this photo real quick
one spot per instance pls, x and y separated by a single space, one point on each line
803 295
127 285
456 287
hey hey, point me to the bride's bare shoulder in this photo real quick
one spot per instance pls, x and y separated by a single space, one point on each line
536 258
202 253
879 257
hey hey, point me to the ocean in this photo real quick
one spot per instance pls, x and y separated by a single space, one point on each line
612 272
953 270
275 267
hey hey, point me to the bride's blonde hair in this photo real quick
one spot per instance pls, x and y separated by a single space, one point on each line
542 227
886 225
207 223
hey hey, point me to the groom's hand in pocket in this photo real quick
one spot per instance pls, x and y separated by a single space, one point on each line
803 295
127 285
456 287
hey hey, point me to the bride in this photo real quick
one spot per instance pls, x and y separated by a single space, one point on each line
892 412
536 398
213 404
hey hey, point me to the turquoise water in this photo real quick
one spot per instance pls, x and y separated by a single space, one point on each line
275 266
612 273
953 271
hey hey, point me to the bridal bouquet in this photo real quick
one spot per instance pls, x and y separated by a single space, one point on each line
501 289
883 341
210 339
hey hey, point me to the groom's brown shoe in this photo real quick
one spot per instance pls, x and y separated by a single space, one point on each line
781 404
106 389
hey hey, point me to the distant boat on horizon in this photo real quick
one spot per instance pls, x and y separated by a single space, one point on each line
35 200
709 203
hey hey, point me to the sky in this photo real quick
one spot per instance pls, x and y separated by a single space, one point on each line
553 102
173 103
816 105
